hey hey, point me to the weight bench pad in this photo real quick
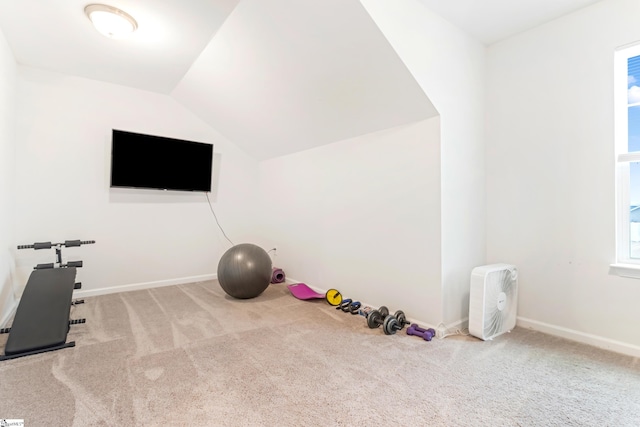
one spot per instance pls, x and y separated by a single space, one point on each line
42 318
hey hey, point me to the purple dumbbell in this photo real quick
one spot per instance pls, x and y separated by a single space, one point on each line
426 334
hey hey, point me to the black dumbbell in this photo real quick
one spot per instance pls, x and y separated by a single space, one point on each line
395 323
426 334
376 318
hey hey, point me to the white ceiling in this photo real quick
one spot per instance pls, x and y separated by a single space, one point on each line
56 35
273 76
306 72
493 20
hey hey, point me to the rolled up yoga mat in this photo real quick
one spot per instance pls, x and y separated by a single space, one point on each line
277 275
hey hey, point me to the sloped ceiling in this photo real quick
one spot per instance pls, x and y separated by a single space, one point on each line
282 76
274 76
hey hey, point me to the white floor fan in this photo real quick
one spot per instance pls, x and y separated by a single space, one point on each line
493 300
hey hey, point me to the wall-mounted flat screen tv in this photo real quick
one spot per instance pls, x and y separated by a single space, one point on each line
147 161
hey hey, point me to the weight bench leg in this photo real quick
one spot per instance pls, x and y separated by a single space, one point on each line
42 350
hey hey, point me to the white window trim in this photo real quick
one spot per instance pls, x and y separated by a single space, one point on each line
624 265
625 270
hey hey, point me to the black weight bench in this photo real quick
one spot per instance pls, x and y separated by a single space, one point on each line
42 320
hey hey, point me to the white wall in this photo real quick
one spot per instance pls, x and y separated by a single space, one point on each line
8 78
143 236
550 173
363 216
450 67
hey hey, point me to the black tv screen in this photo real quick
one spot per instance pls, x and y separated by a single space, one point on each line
147 161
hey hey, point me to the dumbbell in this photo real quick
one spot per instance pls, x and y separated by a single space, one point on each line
395 323
426 334
375 318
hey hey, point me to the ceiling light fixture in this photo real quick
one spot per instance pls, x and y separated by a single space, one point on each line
110 21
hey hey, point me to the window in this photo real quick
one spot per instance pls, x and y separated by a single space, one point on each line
627 150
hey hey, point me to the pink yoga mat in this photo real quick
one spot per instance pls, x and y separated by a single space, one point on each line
302 291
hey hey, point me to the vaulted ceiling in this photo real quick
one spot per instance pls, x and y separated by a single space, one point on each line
306 72
273 76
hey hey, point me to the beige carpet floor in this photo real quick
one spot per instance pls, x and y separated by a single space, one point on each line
189 355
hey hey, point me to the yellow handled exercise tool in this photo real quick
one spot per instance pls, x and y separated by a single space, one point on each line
302 291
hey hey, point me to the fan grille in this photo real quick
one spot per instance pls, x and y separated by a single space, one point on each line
493 300
499 294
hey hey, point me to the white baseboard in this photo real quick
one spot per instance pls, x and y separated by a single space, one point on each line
458 327
290 281
11 310
570 334
144 285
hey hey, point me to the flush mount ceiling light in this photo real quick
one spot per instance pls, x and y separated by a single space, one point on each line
110 21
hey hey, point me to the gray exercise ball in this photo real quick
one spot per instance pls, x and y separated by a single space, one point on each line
244 271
